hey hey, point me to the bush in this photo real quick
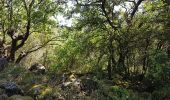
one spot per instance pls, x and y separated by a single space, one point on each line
161 94
159 68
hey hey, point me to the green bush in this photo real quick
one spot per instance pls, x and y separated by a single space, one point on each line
120 93
161 94
159 68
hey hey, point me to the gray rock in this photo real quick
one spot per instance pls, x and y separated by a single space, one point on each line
76 84
37 68
88 85
11 88
3 63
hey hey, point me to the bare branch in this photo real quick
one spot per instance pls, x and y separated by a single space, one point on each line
132 2
136 8
24 54
25 5
96 3
106 15
27 33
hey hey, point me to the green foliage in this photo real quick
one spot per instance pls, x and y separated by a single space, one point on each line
41 92
161 94
18 97
159 70
103 40
17 71
120 93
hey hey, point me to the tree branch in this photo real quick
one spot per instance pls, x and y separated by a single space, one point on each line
96 3
136 8
24 54
106 15
27 33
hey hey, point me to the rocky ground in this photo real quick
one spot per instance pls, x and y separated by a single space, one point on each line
18 83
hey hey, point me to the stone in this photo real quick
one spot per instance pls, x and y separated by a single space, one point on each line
19 97
65 85
40 91
76 84
72 77
37 68
11 88
3 63
88 85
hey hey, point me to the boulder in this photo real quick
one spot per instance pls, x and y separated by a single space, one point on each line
88 85
3 63
40 92
19 97
72 85
37 68
72 81
11 88
66 85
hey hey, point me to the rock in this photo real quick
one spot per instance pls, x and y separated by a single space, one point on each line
75 85
72 77
3 97
11 88
40 91
36 90
88 85
18 97
3 63
66 84
37 68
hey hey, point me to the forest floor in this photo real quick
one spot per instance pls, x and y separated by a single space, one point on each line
73 86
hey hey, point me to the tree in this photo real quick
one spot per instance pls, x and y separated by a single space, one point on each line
101 14
127 36
20 19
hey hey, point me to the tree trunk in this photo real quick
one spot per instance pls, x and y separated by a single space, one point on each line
111 60
21 56
168 51
121 62
109 68
145 59
16 44
12 51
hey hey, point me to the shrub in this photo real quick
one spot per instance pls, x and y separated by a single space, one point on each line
159 68
161 94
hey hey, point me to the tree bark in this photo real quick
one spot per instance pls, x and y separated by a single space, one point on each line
145 59
109 70
13 51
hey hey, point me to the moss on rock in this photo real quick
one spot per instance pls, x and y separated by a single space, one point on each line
18 97
40 91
